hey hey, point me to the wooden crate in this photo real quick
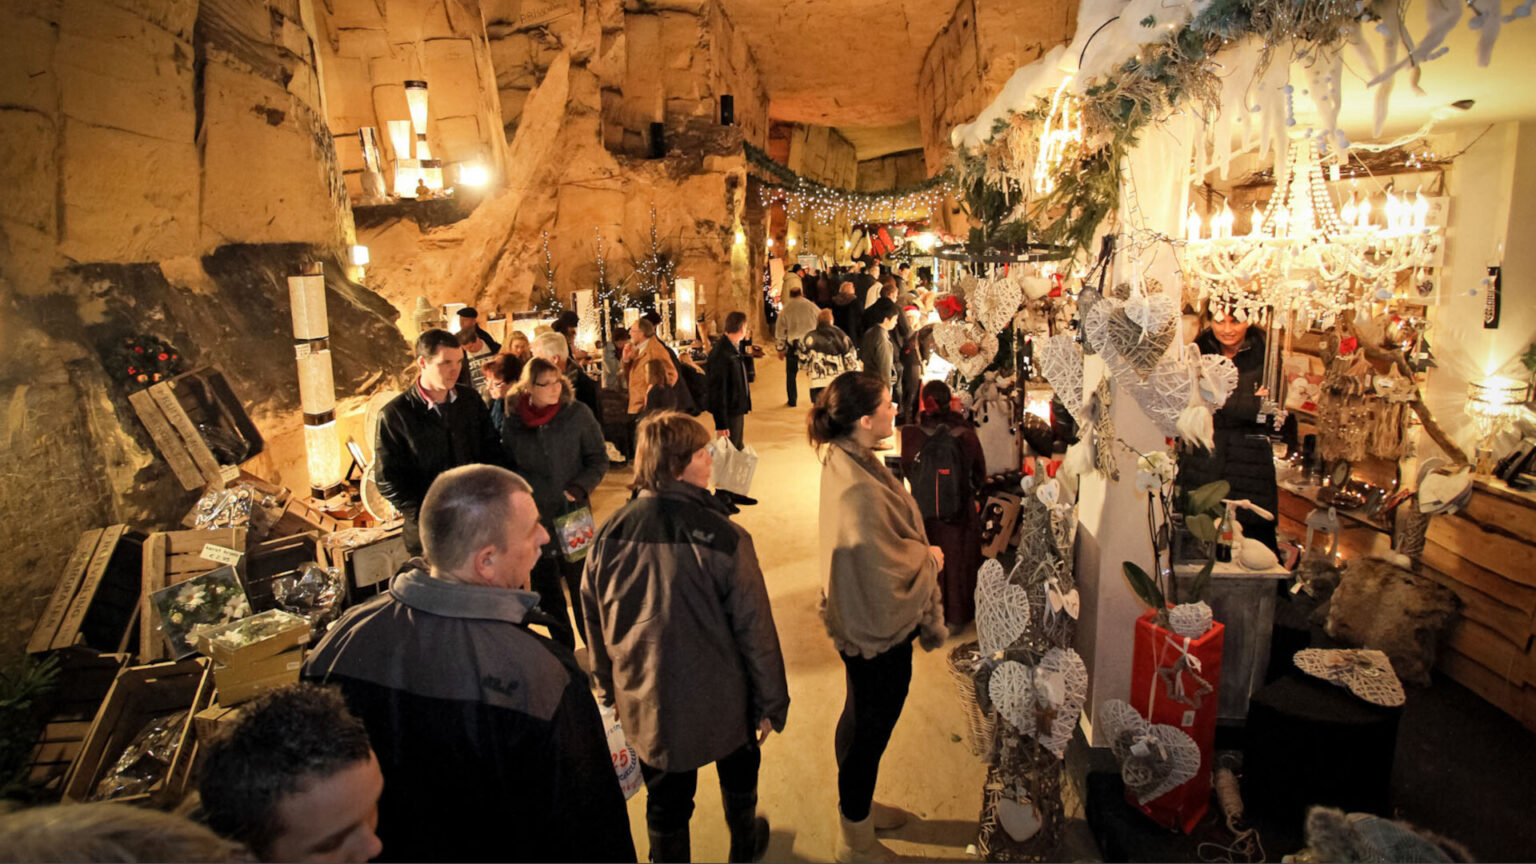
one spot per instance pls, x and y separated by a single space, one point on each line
137 695
84 680
266 562
372 564
1484 555
301 515
171 412
171 558
96 600
262 519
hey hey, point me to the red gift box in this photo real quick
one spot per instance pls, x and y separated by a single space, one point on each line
1174 681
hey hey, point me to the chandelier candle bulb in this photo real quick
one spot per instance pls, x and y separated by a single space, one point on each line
1192 226
416 101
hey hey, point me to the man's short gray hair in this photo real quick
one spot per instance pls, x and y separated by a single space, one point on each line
551 346
467 509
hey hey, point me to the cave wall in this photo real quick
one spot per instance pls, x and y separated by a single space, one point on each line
892 171
822 154
663 62
369 49
166 165
971 59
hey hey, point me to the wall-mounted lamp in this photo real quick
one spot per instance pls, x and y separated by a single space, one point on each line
741 237
1493 403
473 174
790 242
770 242
359 256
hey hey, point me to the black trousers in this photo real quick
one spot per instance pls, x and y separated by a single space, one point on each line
791 369
877 690
816 394
736 425
669 794
552 576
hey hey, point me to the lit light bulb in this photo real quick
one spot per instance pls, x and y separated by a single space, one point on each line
1365 212
359 256
741 238
473 174
1420 210
770 242
790 242
1192 225
1347 213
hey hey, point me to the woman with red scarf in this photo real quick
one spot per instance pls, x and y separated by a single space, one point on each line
960 538
556 444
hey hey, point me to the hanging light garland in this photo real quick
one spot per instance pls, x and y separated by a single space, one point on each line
829 203
1060 139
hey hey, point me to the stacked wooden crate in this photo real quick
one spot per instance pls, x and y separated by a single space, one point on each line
1487 555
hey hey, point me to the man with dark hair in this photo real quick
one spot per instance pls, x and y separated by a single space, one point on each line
469 319
294 779
435 425
730 396
491 744
876 350
864 278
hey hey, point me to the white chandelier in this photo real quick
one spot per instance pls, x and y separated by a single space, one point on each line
1304 255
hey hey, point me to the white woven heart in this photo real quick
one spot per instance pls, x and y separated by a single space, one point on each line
950 337
1002 609
1164 394
1061 361
1218 378
994 302
1154 758
1058 685
1035 287
1151 312
1367 673
1191 620
1019 818
1127 348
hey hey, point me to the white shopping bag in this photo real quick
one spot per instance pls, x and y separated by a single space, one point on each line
733 468
625 763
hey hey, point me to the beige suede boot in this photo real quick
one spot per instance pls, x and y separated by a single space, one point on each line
856 842
887 817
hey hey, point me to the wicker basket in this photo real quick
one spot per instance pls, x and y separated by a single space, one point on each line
979 732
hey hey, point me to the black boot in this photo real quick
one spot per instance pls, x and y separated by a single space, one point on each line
671 848
749 831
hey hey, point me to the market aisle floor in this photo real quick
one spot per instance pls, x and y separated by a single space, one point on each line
928 768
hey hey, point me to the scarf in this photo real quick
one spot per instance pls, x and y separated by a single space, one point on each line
535 416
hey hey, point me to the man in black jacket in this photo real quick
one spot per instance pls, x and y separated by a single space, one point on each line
469 319
730 397
435 425
491 745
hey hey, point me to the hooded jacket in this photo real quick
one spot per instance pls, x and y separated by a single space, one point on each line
490 744
681 633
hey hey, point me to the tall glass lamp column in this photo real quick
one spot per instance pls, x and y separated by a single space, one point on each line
317 387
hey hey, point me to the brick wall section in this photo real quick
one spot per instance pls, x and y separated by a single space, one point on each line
972 58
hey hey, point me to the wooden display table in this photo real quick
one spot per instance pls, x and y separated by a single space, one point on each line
1244 601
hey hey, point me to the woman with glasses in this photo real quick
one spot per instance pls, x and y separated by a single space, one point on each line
557 445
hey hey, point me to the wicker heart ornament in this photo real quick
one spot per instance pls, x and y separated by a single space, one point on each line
1061 361
1164 394
1154 758
994 302
1128 347
1042 701
1002 608
1366 673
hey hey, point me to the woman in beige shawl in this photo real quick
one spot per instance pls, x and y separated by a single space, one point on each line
882 592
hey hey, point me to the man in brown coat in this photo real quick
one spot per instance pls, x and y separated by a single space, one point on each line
642 348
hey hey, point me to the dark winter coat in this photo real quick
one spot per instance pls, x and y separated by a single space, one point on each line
490 744
726 375
826 353
681 634
564 455
877 354
1243 455
417 442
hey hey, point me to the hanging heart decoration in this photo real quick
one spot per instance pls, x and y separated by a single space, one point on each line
1042 701
1087 298
1061 361
1163 394
1104 430
1002 609
1154 758
1366 673
1218 378
1127 347
1034 287
1021 819
968 346
994 301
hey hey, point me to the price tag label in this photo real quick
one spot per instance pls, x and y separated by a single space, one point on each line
229 473
301 350
220 554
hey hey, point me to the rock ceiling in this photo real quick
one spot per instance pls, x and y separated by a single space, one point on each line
847 63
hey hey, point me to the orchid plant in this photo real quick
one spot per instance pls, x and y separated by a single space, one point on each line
1202 509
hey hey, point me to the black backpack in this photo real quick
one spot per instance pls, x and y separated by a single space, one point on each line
940 482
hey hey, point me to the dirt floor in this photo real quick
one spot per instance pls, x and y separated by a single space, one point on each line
928 768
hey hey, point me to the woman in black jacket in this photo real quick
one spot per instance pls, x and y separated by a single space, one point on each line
557 445
1243 455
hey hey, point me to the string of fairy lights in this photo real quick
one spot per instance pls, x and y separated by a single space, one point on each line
827 204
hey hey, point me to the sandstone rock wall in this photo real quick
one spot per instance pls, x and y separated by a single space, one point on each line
972 57
893 171
654 62
822 154
369 49
166 164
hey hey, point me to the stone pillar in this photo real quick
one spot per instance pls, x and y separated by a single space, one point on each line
1112 516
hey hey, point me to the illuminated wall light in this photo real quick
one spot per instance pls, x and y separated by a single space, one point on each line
741 238
770 242
400 138
359 256
473 174
790 242
317 386
416 101
687 307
